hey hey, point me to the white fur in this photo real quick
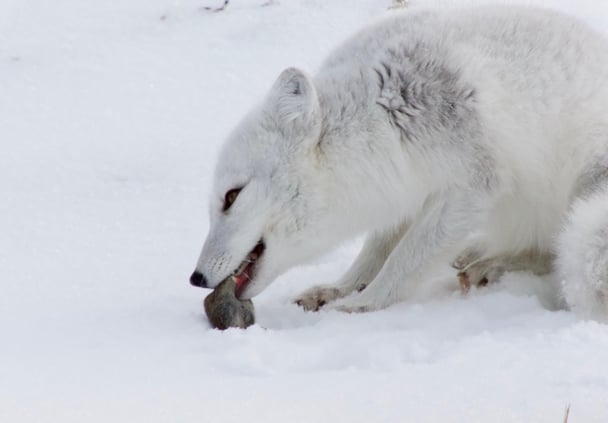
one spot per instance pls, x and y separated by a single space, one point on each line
432 132
583 257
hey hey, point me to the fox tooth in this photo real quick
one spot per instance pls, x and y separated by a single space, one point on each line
241 268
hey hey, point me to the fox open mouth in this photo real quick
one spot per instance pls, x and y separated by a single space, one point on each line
244 273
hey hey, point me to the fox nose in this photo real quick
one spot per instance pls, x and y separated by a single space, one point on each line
198 279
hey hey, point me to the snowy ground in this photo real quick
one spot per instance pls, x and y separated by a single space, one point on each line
111 114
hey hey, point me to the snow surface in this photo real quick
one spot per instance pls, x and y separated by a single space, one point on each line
111 114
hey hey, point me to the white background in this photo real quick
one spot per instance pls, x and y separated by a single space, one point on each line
111 115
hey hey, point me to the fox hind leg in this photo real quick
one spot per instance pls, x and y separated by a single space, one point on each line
582 256
476 270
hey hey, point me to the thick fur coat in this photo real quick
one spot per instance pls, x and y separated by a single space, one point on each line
469 132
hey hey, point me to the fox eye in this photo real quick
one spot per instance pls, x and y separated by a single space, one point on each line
230 198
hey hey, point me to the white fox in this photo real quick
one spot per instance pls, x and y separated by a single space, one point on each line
468 130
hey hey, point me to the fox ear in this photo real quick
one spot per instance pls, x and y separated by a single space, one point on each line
294 100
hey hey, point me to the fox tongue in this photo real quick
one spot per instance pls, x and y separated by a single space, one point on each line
240 281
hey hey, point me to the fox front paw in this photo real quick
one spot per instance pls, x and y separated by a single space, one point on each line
353 308
363 302
315 298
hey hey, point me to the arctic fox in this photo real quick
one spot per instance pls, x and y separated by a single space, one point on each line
470 131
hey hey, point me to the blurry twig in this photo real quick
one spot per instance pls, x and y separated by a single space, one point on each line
217 9
567 414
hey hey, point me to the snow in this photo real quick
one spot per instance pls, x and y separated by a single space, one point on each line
111 115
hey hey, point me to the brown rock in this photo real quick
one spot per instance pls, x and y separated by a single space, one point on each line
225 310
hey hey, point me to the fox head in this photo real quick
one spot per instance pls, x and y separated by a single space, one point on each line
260 206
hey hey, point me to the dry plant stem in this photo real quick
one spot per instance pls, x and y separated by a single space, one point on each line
217 9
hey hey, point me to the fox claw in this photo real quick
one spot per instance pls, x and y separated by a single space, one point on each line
317 297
